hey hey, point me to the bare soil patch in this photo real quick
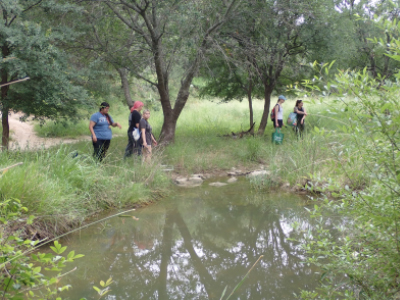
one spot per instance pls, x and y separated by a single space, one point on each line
23 135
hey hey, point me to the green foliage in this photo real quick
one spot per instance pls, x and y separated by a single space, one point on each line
254 150
227 81
105 286
22 276
29 49
61 186
363 260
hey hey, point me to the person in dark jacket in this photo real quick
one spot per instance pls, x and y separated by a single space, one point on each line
301 115
134 119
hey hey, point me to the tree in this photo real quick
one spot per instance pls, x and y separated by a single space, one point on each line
364 29
275 37
176 34
28 49
108 43
364 261
231 80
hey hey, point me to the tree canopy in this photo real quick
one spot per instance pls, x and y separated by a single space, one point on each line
241 48
29 49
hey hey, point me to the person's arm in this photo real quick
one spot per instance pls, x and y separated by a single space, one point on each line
115 125
154 140
299 111
144 137
276 115
91 125
137 125
304 116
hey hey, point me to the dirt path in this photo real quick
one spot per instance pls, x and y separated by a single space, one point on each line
23 135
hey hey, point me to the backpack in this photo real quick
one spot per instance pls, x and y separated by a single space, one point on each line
273 112
292 119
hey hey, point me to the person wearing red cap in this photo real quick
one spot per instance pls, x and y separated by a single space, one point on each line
134 119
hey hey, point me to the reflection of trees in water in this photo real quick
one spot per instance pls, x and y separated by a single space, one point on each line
181 254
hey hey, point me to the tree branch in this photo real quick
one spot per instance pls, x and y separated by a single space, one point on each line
32 6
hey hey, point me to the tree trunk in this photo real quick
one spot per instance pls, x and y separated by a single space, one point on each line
267 101
249 92
171 115
123 73
168 129
4 108
6 129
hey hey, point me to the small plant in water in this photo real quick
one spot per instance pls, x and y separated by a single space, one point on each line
105 286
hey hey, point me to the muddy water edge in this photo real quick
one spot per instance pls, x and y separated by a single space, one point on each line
194 244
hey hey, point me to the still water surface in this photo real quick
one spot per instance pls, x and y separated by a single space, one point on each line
193 244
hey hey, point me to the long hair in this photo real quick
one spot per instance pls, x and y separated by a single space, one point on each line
298 102
105 105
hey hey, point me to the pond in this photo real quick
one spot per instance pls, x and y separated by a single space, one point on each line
194 244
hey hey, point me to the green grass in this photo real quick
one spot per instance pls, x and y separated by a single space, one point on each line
65 129
76 128
199 146
54 184
61 189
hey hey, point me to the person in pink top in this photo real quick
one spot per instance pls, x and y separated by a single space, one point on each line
134 119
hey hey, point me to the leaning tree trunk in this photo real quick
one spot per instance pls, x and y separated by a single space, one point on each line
171 115
267 101
123 73
249 92
6 129
4 111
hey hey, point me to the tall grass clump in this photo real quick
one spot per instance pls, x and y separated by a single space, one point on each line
63 186
253 150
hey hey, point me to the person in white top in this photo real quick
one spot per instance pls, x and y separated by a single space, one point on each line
278 112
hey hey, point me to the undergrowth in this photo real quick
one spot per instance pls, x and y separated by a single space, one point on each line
65 183
62 186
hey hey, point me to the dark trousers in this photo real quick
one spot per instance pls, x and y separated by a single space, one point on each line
300 129
132 147
100 149
280 123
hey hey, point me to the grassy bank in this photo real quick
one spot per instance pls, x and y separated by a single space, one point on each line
61 187
201 148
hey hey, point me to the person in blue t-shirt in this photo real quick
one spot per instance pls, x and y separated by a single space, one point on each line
100 127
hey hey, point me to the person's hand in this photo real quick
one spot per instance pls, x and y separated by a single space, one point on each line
155 143
94 138
119 126
305 114
276 124
302 121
